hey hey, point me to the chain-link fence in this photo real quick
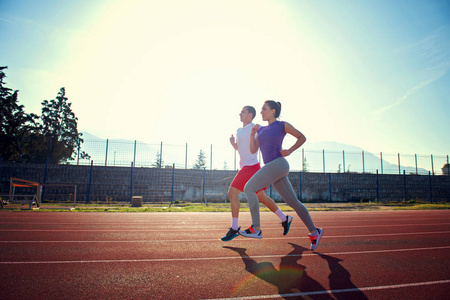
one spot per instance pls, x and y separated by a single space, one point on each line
224 157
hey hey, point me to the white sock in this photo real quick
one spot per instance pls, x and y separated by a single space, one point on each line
234 223
281 215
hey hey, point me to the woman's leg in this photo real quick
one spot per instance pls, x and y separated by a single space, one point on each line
284 188
268 174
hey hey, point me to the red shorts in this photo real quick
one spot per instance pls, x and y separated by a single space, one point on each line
244 175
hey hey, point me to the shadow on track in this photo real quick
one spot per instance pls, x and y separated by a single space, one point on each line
340 280
292 280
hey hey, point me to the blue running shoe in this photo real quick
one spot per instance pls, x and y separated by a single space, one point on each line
231 234
287 224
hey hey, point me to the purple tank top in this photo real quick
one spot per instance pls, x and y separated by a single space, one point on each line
270 139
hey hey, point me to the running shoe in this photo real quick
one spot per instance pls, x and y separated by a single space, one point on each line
231 234
287 224
315 238
251 232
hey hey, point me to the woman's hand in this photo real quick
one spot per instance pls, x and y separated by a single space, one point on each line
254 145
285 152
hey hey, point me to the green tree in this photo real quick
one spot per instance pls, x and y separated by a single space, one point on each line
200 163
23 138
305 165
58 129
16 126
158 161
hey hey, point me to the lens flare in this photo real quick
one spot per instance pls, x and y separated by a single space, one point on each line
286 278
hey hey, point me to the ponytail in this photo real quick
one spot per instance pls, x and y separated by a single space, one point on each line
274 105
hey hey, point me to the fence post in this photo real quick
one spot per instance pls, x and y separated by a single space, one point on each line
399 168
47 161
173 180
431 189
160 156
134 157
378 188
343 159
45 177
106 154
381 158
323 155
204 183
50 149
364 167
329 184
78 153
448 166
90 182
303 159
404 186
131 184
432 164
417 172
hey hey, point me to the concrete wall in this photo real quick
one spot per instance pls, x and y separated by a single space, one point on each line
101 184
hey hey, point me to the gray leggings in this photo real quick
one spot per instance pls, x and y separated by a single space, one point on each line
275 173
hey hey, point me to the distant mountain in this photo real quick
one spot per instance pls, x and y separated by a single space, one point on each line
331 146
91 137
88 136
354 158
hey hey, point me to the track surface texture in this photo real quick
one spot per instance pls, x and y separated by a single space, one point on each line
362 255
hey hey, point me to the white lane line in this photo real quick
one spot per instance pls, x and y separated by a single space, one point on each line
74 228
247 240
369 288
149 222
214 258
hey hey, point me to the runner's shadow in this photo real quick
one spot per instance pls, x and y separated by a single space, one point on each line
340 279
291 278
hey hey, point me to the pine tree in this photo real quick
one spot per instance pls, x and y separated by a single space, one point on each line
305 165
15 125
201 160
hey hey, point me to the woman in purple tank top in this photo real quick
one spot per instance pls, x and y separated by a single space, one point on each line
275 170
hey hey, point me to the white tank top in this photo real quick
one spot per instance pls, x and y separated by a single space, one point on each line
243 141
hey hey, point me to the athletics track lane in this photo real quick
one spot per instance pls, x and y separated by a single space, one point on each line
374 255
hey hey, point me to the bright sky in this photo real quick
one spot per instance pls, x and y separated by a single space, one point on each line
373 74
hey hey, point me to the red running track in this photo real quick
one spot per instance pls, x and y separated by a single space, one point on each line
362 255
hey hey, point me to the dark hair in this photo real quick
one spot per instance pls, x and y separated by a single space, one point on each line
274 105
251 110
